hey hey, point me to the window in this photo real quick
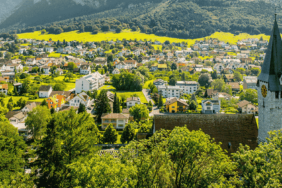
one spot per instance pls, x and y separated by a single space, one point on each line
173 107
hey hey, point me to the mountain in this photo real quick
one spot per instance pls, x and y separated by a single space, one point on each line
174 18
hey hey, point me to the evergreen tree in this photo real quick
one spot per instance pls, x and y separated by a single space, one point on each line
110 135
81 108
44 103
116 108
52 111
102 105
193 98
160 104
10 106
19 102
127 134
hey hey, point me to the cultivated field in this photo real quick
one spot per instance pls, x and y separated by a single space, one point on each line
127 34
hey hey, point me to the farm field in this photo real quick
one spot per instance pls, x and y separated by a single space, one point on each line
127 34
54 54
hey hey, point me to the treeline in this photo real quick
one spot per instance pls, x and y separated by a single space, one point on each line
180 19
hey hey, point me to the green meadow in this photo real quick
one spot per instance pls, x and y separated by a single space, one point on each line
127 34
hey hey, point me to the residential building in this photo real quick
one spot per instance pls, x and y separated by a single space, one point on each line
250 82
132 101
130 64
89 82
235 86
29 107
85 69
56 101
175 105
170 91
210 106
80 98
159 82
46 69
16 117
189 87
4 88
116 71
100 61
117 120
246 107
221 95
45 91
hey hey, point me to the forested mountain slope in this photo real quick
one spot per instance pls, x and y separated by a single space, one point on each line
173 18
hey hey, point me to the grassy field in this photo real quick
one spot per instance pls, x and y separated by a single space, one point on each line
16 98
127 34
124 93
146 85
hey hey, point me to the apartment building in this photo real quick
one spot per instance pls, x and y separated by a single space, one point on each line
89 82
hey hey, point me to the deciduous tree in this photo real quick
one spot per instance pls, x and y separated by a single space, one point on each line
110 134
128 133
139 112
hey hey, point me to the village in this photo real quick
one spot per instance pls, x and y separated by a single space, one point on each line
208 77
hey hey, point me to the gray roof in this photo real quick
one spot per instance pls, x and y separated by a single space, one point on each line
272 65
44 88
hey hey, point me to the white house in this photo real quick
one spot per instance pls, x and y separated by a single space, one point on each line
121 65
45 91
49 49
132 101
116 71
89 82
29 107
85 69
46 69
80 98
210 106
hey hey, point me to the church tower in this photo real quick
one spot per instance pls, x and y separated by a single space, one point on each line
270 87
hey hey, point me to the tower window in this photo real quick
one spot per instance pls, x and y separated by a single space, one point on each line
277 94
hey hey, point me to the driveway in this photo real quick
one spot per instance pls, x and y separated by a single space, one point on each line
155 111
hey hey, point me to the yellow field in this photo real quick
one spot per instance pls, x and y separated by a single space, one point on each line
127 34
54 54
157 47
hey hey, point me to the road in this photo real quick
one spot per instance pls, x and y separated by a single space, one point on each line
147 95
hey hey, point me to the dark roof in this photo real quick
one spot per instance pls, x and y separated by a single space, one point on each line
224 128
44 88
272 65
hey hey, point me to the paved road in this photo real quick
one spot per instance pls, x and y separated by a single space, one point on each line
147 95
155 111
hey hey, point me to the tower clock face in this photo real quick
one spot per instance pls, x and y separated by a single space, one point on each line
263 91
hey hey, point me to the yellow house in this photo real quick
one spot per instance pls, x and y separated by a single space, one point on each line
175 105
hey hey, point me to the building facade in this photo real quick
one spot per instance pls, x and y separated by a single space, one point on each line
189 87
170 91
270 87
210 106
89 82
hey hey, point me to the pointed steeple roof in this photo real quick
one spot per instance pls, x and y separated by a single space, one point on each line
272 65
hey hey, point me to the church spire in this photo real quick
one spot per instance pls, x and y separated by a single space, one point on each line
272 65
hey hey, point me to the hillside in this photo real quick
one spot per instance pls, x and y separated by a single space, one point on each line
172 18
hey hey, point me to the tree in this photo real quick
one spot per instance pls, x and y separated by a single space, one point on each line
261 167
255 71
70 137
19 102
173 66
193 105
128 133
238 76
102 105
59 87
249 95
44 103
52 110
116 106
172 80
69 75
37 121
204 80
110 134
139 112
160 104
81 108
71 66
8 55
198 160
214 74
10 106
1 54
218 84
12 151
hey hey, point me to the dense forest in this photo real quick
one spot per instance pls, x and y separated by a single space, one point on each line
172 18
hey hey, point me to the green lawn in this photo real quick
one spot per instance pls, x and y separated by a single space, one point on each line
16 98
124 93
146 85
